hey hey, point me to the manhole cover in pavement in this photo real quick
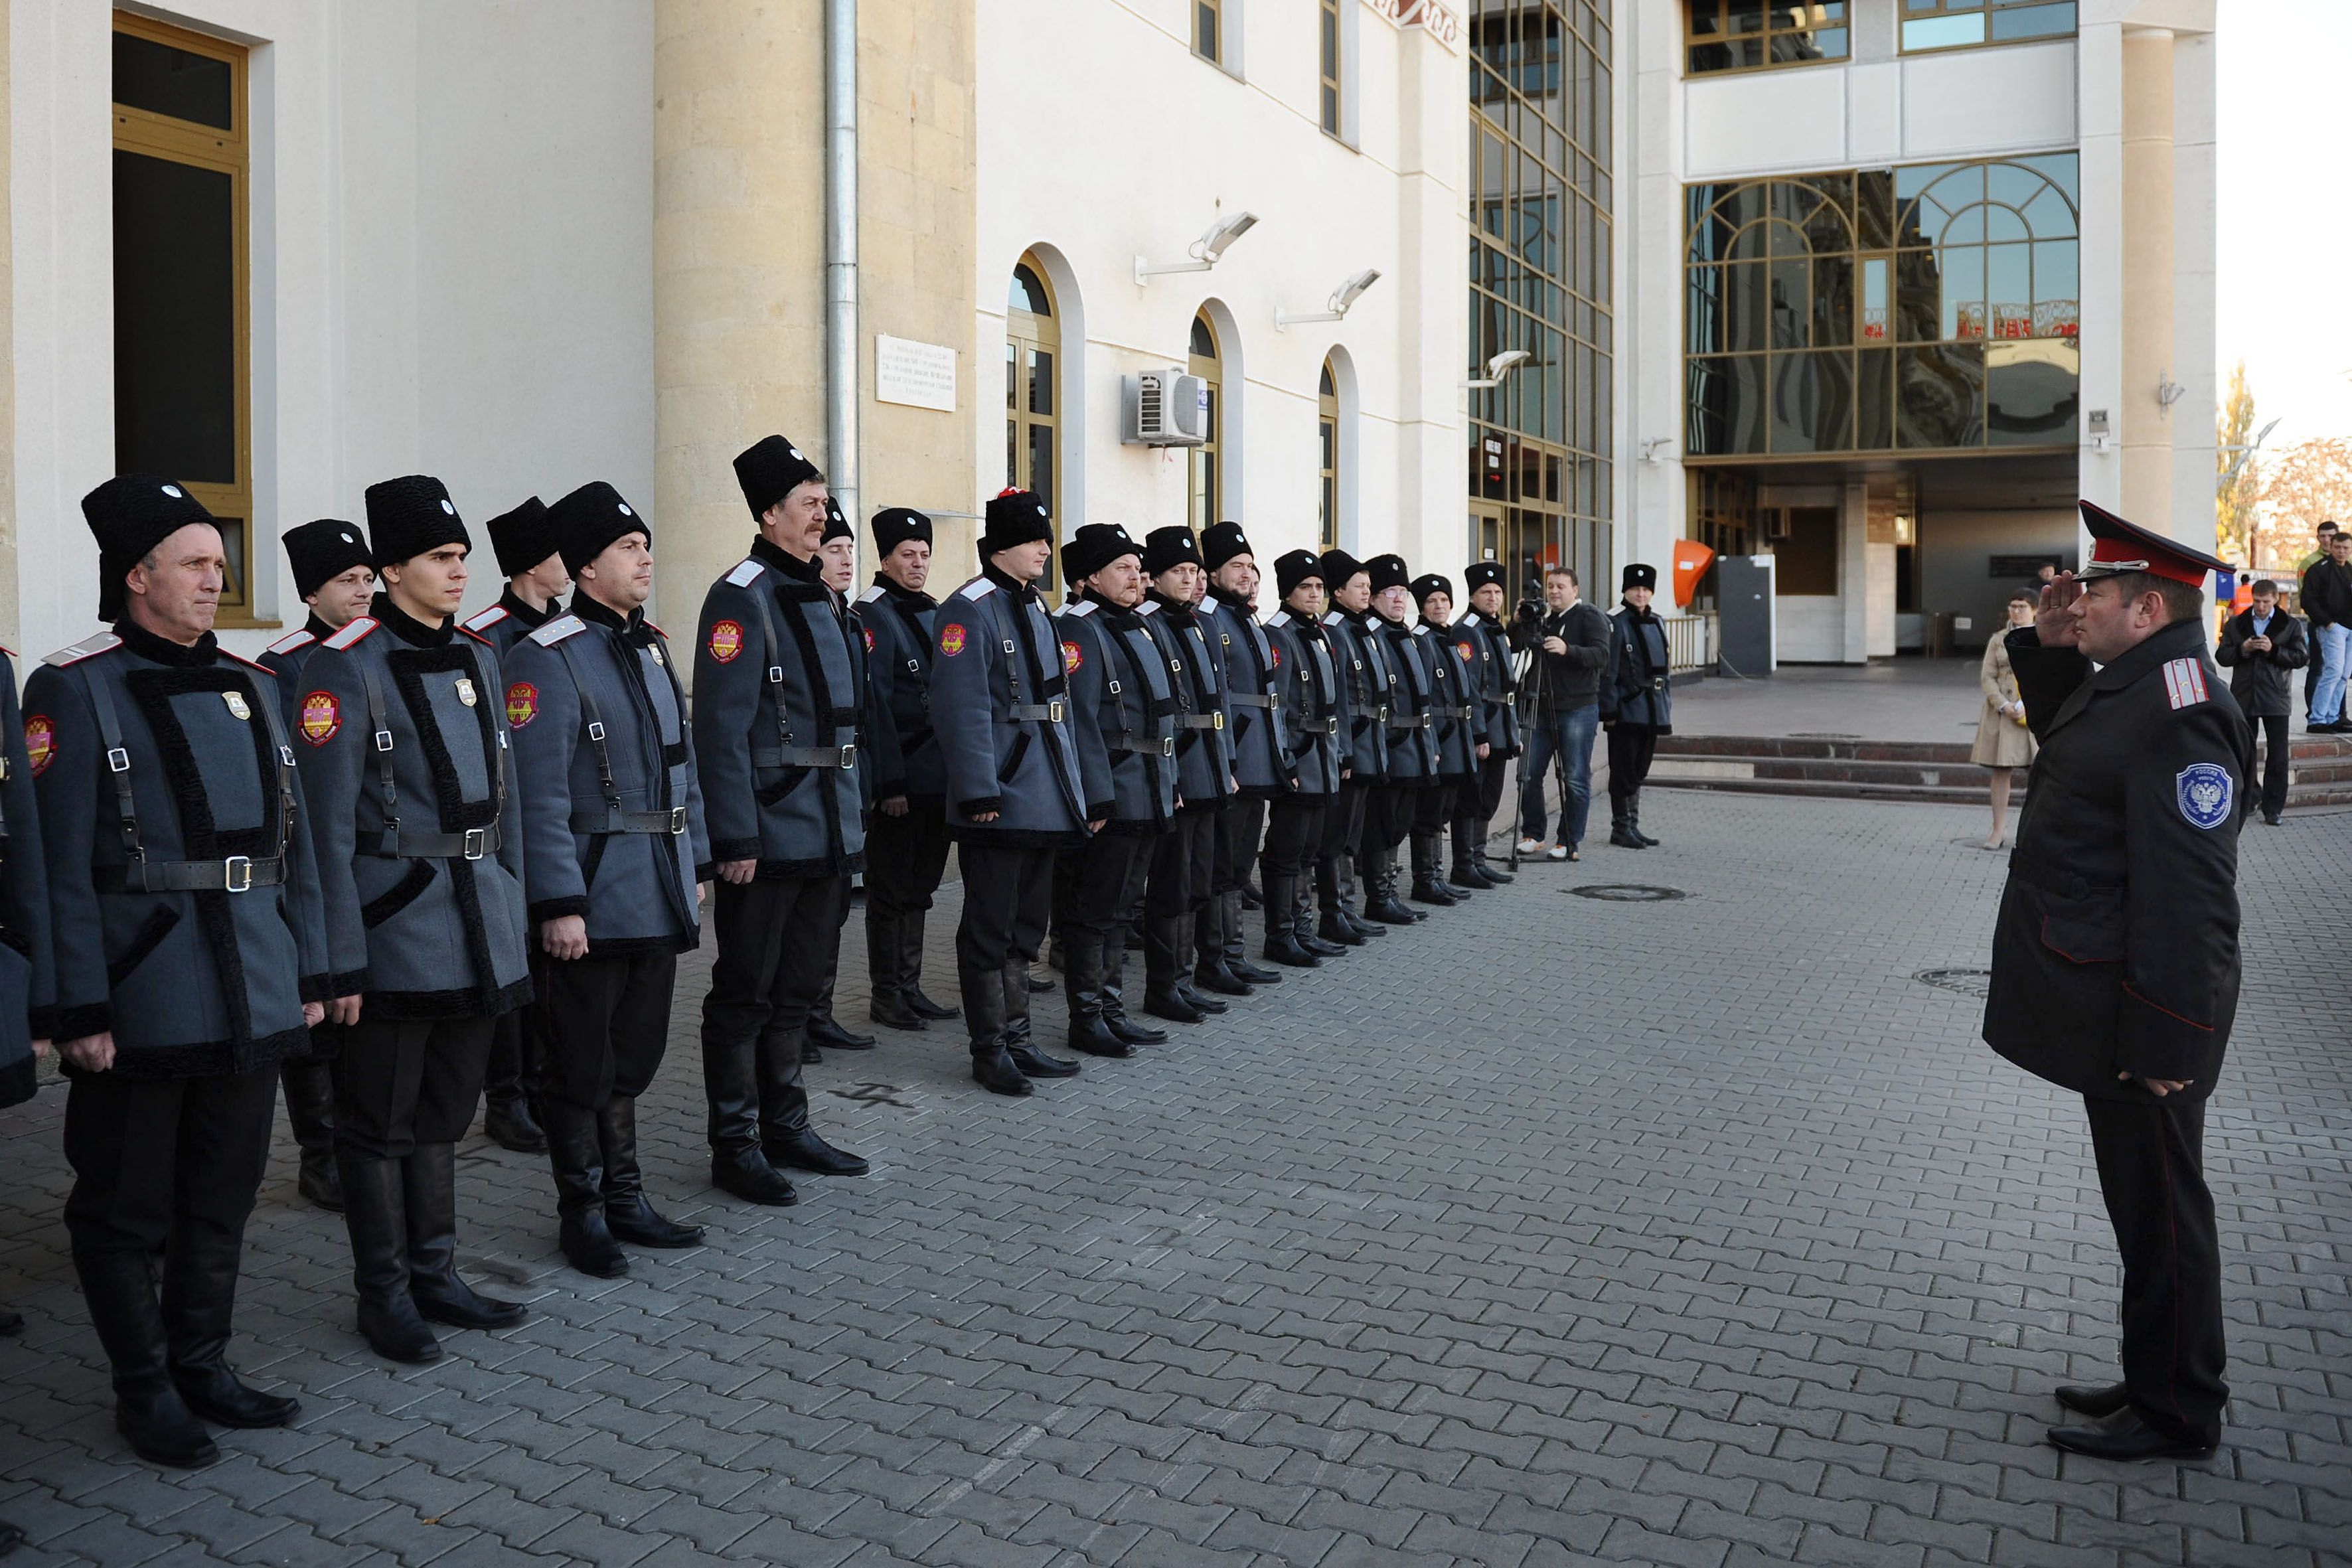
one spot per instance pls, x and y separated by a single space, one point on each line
1626 893
1823 735
1967 981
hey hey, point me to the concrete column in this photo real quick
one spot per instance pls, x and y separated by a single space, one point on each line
738 266
2145 432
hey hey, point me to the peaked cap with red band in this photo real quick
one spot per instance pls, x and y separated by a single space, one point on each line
2117 547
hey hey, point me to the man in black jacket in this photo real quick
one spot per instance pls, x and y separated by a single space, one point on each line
2327 600
2259 644
1562 701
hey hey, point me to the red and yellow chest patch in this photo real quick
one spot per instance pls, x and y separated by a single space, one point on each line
321 716
1073 655
1463 649
869 638
951 638
522 704
1276 649
726 641
41 742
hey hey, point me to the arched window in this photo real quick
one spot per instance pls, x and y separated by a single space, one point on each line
1205 491
1326 399
1033 390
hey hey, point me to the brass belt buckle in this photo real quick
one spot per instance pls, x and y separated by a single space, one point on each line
1217 719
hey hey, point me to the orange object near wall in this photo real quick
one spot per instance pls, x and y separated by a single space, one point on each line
1691 560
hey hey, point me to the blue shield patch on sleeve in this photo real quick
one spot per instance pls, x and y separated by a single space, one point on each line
2204 789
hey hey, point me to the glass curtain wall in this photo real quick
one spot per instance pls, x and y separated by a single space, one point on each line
1539 445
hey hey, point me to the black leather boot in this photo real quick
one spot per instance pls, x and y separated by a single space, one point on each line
149 1409
1494 874
730 1083
910 971
1234 928
1466 873
375 1213
1114 995
627 1216
199 1297
1621 828
883 954
1282 945
824 1031
1381 903
787 1141
1163 949
511 1126
310 1087
1337 927
1090 1032
577 1154
1633 820
1209 972
1356 892
1428 887
984 1015
429 1185
1019 1042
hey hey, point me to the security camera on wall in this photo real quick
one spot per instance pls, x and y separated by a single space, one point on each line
1164 408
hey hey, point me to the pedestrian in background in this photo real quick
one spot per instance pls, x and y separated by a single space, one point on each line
2003 742
2327 601
2326 531
2259 644
1570 641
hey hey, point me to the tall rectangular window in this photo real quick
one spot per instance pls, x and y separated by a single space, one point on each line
1329 48
182 369
1209 29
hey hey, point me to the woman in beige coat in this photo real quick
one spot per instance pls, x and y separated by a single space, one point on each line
2003 742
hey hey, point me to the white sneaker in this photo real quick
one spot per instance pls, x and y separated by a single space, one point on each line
1530 847
1557 852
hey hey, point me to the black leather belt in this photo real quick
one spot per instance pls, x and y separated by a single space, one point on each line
1202 720
805 756
1251 699
394 843
672 821
235 875
1038 712
1319 726
1411 721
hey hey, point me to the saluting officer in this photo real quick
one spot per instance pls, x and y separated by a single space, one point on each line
776 703
335 576
1460 745
420 858
1492 691
1124 711
536 578
1307 708
2115 966
836 568
1262 766
1413 750
614 854
907 839
191 957
1177 978
1000 707
1362 663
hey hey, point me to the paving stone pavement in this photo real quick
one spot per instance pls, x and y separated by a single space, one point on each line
1551 1231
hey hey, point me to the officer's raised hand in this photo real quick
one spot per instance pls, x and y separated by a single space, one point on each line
2059 622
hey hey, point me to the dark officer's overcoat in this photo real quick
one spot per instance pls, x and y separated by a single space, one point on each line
193 981
611 815
1455 715
2116 948
1314 707
1205 757
28 980
1262 760
1365 682
1412 701
901 752
1492 689
420 850
1001 706
1124 697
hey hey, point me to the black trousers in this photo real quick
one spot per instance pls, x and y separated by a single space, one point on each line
1631 747
605 1020
404 1082
2151 1162
778 940
1183 864
1097 884
1388 816
1008 894
905 858
1434 809
1294 826
1239 828
2277 755
513 1070
156 1160
1343 835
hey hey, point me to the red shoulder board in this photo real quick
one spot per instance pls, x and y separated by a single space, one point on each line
478 636
657 631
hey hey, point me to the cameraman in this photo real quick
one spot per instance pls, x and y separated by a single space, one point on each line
1560 708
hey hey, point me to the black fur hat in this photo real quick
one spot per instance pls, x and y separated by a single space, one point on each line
771 469
408 516
131 514
1388 572
1094 547
1165 549
894 525
1013 518
591 517
521 537
1220 541
1638 575
1295 566
323 550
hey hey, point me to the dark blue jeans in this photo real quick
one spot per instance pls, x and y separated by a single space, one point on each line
1566 737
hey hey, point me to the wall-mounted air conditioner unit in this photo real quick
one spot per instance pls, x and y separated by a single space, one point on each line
1164 408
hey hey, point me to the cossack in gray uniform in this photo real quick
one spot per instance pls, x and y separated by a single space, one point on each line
777 700
1492 690
613 836
906 851
319 552
28 978
186 927
420 859
1307 709
1636 703
522 543
1412 751
1182 883
1123 710
1453 740
1244 661
1365 680
1000 707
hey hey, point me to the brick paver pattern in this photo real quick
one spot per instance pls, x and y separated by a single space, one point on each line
1693 1232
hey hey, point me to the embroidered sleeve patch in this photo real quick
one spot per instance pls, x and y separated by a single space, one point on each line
951 638
41 742
1073 655
522 704
321 717
726 641
2184 683
2204 789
